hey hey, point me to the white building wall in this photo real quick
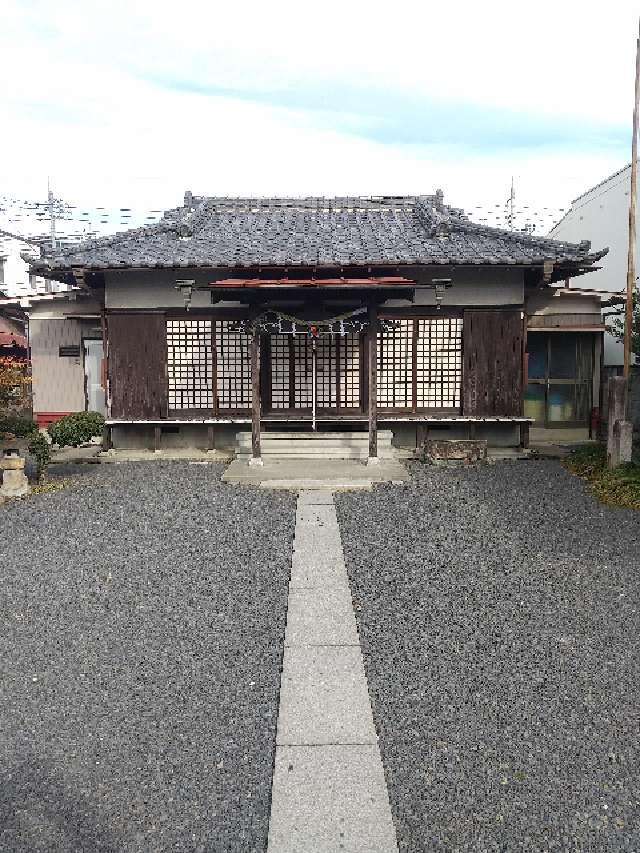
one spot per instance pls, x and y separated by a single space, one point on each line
601 215
15 280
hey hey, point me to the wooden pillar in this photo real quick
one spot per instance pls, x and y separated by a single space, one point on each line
256 455
524 436
373 385
157 438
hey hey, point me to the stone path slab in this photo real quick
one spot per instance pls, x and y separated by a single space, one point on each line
329 791
321 617
330 798
324 698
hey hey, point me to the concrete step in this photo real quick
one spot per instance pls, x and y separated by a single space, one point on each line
327 453
320 439
319 434
313 445
316 445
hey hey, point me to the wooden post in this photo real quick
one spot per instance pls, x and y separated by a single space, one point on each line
256 455
211 442
373 385
628 314
524 436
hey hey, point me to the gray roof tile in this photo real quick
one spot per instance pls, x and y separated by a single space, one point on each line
244 232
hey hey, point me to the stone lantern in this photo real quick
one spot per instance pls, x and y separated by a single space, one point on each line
14 481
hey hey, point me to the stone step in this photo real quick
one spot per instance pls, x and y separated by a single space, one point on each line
360 434
243 439
316 445
335 443
327 453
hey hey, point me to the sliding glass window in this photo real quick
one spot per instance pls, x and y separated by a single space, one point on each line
560 375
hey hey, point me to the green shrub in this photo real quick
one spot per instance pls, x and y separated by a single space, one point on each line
40 449
15 425
616 487
77 428
587 460
619 487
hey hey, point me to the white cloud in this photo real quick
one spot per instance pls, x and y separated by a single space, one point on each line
78 105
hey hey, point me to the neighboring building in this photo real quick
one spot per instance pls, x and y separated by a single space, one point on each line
67 354
16 281
233 314
13 335
601 215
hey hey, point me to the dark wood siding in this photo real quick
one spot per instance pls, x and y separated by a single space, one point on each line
137 365
492 362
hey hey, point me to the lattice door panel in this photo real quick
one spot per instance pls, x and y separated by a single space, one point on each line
302 373
190 364
349 371
337 372
233 374
326 373
395 353
439 363
280 371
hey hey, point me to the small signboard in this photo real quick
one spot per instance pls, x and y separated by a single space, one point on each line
69 351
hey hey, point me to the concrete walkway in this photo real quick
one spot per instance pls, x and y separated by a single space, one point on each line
329 791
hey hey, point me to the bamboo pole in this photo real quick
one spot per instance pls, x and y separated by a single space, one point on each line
628 313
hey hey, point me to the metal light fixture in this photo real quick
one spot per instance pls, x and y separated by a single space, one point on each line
439 286
185 286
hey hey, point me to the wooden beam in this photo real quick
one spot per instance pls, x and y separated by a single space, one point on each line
256 454
373 384
378 281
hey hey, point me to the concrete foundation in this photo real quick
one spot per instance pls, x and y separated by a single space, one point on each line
226 438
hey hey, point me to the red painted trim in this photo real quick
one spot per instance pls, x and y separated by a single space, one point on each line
45 419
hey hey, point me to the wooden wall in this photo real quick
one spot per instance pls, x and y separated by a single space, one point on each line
492 362
137 365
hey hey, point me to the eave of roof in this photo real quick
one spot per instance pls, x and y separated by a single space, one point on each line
237 234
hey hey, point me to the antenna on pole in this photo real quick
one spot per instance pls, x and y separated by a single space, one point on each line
511 201
52 213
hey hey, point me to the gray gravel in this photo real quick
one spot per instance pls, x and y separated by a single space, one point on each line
143 614
499 613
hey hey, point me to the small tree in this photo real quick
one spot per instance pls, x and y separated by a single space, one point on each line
41 451
14 381
614 318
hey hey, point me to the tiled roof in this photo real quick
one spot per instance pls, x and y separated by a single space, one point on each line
10 339
245 232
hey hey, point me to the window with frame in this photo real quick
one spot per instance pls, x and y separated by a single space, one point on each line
420 364
559 378
190 364
202 354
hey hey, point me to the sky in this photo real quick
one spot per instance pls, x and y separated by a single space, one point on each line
128 103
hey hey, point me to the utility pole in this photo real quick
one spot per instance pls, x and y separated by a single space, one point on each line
628 313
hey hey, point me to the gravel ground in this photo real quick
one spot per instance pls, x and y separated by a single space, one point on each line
499 614
143 613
